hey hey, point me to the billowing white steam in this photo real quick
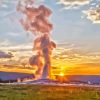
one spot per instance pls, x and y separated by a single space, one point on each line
36 21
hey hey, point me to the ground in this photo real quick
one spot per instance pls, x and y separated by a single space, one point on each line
42 92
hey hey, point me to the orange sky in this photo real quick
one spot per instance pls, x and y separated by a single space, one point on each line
67 70
65 60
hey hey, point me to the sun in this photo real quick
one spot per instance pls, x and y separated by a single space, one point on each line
61 74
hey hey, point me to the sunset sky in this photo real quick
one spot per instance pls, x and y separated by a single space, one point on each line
76 32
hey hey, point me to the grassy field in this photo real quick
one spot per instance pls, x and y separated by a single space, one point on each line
37 92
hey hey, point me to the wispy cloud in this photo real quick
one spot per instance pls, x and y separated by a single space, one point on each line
72 3
13 34
4 43
5 3
71 56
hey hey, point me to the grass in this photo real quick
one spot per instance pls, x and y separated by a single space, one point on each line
40 92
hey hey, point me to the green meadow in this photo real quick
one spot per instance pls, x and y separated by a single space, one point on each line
42 92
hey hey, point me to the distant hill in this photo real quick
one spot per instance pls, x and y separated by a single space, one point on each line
72 78
14 75
84 78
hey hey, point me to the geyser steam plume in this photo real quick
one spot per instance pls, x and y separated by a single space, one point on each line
36 21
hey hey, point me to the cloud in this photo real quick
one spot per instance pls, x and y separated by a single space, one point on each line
13 47
4 43
75 56
87 69
66 57
20 53
89 64
5 3
13 34
75 61
72 3
5 55
4 6
93 14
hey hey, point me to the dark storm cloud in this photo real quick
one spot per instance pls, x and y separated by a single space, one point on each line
5 55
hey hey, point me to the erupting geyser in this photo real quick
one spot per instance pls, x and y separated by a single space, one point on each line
36 21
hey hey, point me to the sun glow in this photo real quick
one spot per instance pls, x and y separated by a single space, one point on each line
61 74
